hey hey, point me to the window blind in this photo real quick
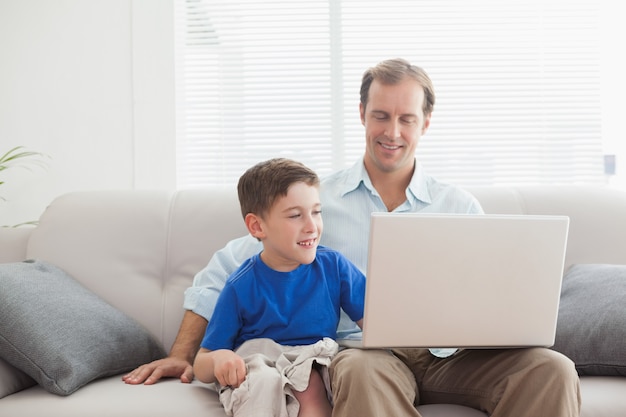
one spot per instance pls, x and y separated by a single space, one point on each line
517 85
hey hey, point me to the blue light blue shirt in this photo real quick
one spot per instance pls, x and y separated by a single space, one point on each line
298 307
348 198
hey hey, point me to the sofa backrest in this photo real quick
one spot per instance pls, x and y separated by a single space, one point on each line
597 232
140 250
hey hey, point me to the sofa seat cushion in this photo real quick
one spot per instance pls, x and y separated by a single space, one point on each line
165 399
603 396
63 335
591 328
110 396
12 379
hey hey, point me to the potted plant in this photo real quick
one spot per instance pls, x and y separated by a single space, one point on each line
19 157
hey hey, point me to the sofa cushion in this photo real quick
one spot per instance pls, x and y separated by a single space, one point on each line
63 335
591 328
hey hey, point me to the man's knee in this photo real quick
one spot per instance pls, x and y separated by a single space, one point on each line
556 366
372 383
373 367
359 363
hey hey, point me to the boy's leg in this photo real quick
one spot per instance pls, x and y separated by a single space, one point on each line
313 400
530 382
260 395
372 383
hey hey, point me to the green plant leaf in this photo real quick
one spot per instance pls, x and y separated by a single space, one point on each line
19 157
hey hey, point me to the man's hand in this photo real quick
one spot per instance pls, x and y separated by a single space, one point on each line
179 363
152 372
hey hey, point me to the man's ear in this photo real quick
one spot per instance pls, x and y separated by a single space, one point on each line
426 123
362 113
254 226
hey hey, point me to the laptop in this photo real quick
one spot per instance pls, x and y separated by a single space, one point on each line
463 281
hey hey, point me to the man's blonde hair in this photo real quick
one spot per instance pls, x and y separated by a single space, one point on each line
393 71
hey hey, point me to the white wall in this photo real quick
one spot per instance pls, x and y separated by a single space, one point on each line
89 83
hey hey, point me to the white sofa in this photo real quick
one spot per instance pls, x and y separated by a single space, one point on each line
139 250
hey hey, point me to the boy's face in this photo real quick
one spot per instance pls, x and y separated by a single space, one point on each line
291 229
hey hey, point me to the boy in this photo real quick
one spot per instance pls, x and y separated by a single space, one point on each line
275 321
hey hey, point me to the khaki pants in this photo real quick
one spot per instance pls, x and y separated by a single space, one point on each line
531 382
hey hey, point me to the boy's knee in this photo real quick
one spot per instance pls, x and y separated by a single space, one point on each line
262 375
266 377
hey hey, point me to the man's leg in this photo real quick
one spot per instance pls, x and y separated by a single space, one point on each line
372 383
510 382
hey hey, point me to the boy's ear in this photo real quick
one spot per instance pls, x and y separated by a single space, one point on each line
253 223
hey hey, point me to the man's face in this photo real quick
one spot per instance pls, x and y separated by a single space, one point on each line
394 123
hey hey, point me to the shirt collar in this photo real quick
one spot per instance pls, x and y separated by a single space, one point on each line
355 176
419 185
417 190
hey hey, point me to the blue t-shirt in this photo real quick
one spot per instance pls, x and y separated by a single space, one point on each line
292 308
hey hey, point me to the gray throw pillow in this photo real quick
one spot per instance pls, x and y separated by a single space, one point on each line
591 327
63 335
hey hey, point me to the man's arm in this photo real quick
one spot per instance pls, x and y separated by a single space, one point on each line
202 296
179 362
199 302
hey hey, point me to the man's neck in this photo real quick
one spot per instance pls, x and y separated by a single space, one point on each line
391 186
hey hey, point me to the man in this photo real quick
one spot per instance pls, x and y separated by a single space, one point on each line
396 105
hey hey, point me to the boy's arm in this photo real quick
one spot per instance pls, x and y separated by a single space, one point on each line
223 366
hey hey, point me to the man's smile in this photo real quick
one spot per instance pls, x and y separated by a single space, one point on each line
390 147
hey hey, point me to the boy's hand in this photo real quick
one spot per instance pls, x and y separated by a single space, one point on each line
229 368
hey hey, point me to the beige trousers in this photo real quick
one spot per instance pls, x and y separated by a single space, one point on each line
532 382
274 371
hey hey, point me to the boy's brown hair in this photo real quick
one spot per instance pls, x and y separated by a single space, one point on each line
262 184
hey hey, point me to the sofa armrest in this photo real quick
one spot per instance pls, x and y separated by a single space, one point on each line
13 243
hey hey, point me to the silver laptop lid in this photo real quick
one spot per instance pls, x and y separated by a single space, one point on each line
450 280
